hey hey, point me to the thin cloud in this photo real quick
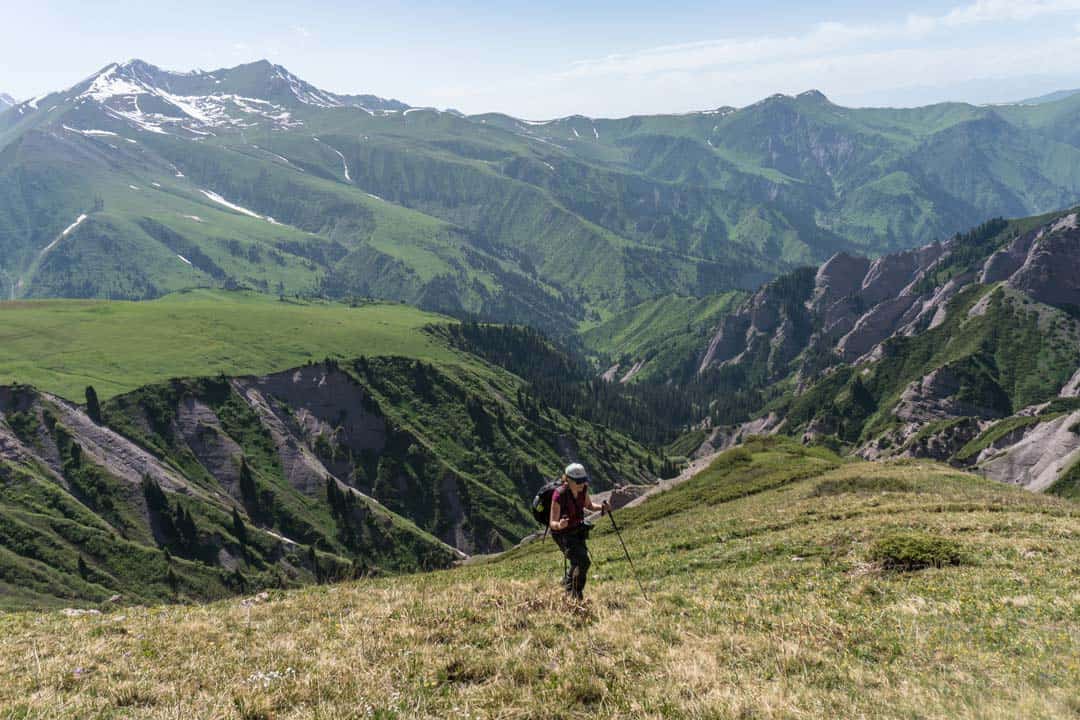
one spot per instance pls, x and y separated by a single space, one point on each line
1008 10
822 40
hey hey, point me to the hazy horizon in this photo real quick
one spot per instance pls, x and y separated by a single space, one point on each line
604 60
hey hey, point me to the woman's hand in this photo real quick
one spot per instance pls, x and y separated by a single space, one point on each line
561 525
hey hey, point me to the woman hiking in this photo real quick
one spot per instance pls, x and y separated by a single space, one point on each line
568 505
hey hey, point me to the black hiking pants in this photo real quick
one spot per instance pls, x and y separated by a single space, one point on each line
576 553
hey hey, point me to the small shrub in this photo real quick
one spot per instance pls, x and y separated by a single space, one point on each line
739 455
467 671
915 551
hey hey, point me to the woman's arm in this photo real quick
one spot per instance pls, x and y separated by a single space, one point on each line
590 505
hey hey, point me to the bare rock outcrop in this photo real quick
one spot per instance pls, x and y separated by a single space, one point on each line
634 370
1037 460
121 457
874 327
201 429
728 341
609 375
890 275
728 436
1003 263
932 312
1051 272
933 397
325 398
1072 388
301 468
838 278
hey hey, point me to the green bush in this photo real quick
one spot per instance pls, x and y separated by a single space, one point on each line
915 551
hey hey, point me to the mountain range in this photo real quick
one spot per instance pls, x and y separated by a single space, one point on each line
138 181
966 351
792 267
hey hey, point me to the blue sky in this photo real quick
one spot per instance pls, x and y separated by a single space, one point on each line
546 59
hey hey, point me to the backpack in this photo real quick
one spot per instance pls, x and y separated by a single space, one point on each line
541 504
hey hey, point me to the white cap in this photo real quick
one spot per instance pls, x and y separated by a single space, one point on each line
576 471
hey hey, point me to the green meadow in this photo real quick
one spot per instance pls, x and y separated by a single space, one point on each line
62 346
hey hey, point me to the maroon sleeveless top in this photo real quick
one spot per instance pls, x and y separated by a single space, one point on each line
571 507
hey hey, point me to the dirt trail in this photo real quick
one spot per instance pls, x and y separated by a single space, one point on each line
691 470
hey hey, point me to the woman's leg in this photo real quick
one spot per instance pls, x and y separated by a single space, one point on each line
578 554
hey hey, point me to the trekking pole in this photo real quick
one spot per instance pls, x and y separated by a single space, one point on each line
633 570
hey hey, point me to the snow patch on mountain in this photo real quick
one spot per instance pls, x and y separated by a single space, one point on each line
101 133
67 231
111 83
306 93
72 226
211 195
232 206
118 90
344 164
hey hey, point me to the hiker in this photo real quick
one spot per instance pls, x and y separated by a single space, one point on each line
568 505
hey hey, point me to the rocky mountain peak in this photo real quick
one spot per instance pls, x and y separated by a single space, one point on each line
147 98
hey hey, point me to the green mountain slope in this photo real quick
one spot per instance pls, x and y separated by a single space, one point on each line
397 452
653 340
250 177
781 583
62 346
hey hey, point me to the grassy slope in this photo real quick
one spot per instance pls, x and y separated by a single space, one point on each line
650 325
664 331
63 346
764 605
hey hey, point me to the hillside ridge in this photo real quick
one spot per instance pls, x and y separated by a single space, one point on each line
772 593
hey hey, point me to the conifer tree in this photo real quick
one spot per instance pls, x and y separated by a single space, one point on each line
93 407
239 530
247 482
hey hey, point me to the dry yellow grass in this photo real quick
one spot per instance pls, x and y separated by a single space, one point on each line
764 606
